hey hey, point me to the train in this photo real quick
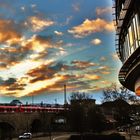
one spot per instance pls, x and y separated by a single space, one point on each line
28 109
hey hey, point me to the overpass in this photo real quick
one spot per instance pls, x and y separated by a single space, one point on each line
15 120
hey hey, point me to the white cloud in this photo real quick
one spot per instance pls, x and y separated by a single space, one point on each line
58 33
76 7
102 11
96 41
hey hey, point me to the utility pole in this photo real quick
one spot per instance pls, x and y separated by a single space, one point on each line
65 98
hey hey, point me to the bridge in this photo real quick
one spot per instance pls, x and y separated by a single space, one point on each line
15 120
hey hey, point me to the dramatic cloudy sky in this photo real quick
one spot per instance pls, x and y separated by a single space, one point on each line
45 44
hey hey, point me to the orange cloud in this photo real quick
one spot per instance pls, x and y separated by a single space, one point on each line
91 26
105 72
92 77
115 56
9 33
83 64
38 24
37 44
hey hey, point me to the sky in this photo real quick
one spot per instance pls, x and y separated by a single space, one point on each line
46 44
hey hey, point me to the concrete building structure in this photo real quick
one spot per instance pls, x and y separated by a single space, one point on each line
127 22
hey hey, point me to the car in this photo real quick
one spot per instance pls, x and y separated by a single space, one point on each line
120 129
26 135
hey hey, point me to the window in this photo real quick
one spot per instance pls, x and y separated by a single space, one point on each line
135 31
132 38
137 22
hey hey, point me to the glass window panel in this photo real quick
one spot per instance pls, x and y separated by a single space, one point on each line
135 31
128 45
137 26
130 36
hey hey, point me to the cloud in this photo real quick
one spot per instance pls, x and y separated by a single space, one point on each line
3 65
23 8
103 11
96 41
11 55
83 64
58 33
33 5
104 70
35 48
41 73
76 7
69 45
38 24
103 58
38 43
115 56
92 77
68 19
10 32
105 82
100 70
9 81
62 52
77 65
91 26
11 84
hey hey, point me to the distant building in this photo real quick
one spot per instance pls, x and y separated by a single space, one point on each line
127 14
112 109
86 102
15 102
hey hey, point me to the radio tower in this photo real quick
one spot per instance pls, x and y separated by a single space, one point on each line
65 98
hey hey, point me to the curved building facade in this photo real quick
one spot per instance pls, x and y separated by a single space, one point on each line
127 14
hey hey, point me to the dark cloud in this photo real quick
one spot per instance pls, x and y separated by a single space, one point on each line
3 65
11 56
15 86
9 81
41 73
11 84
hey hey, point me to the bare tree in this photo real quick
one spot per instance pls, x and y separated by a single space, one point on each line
79 96
113 92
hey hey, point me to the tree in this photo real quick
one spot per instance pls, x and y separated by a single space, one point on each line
79 96
113 92
96 120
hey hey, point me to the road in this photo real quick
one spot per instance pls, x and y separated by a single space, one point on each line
62 137
133 137
55 137
66 136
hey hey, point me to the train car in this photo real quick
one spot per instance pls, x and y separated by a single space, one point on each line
28 109
9 109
